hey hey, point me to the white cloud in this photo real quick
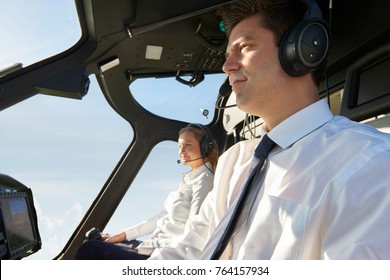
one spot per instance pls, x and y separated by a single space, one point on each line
55 230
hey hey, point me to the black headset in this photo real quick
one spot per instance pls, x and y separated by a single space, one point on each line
206 144
304 47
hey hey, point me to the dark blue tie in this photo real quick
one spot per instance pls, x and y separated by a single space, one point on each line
261 153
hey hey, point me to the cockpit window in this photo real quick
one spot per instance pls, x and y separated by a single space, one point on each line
32 30
171 99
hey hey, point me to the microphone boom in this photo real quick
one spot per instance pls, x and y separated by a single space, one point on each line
184 161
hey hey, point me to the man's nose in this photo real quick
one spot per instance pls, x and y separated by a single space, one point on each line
231 65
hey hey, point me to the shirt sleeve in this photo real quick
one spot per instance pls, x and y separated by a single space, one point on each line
143 228
358 226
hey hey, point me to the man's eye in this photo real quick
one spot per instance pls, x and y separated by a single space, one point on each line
243 47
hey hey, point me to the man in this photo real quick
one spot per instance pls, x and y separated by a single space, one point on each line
325 191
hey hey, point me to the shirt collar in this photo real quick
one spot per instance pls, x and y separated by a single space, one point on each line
191 175
300 124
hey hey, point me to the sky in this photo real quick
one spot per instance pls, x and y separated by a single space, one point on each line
65 149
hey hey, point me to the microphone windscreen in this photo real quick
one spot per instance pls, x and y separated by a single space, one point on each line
225 90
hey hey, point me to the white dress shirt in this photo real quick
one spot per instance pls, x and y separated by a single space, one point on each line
326 194
179 205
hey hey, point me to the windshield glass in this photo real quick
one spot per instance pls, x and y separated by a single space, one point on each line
171 99
32 30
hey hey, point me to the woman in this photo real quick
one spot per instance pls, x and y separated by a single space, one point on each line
197 150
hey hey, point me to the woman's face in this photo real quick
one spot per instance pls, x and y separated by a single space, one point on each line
189 150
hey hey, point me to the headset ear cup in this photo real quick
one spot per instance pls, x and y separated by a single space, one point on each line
210 147
282 53
203 147
304 48
206 146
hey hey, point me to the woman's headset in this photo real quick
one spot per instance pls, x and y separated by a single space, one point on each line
305 46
